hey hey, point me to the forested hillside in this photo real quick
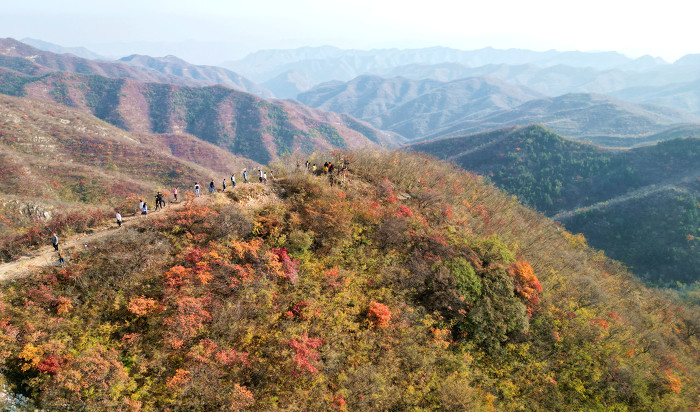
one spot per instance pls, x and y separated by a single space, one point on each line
406 285
607 195
238 122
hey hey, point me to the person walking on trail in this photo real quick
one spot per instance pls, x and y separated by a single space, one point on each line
54 241
211 187
61 261
144 210
175 193
196 189
223 184
265 178
158 199
260 175
245 176
162 200
140 205
233 181
119 219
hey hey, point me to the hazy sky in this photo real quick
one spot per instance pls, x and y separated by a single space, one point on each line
234 28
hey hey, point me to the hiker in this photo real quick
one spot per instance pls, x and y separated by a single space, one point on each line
307 165
140 205
175 193
260 177
54 241
196 189
265 177
144 209
119 219
313 169
158 199
61 261
212 188
223 183
245 176
162 201
233 181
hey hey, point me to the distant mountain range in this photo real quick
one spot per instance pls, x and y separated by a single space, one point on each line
330 63
415 108
205 75
580 116
26 59
428 109
642 206
55 48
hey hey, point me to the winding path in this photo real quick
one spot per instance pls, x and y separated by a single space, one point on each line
46 256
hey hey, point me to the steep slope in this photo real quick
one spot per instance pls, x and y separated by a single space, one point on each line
201 75
579 116
239 122
60 161
411 286
566 178
414 108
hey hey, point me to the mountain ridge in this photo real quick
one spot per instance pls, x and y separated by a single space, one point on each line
589 189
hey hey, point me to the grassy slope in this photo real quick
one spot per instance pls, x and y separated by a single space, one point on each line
412 286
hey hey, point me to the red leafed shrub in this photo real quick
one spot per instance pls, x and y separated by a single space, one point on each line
63 305
299 310
141 306
241 398
527 286
50 365
177 276
231 357
333 278
181 378
289 267
379 314
404 211
189 318
305 353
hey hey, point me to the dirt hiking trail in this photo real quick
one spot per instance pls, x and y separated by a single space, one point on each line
47 256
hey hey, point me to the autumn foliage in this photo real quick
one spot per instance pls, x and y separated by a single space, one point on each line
408 287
